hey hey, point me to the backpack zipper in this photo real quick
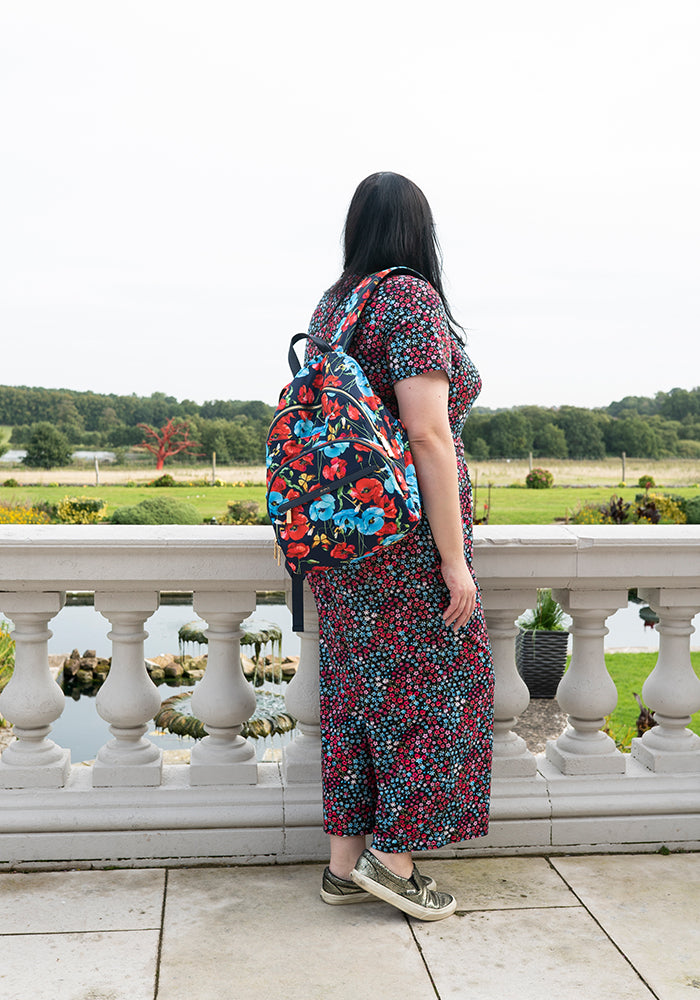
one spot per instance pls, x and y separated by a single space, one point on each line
287 506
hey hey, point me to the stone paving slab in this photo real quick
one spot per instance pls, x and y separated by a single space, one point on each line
626 926
650 906
242 932
116 965
499 883
48 902
549 952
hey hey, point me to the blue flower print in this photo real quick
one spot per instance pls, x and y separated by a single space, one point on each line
361 379
371 521
346 519
303 428
274 500
333 450
321 509
390 484
411 478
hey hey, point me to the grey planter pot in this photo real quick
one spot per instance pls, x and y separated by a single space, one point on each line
540 657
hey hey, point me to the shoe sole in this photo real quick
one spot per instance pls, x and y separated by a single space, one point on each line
400 902
355 897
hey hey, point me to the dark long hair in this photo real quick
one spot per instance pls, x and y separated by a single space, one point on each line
389 223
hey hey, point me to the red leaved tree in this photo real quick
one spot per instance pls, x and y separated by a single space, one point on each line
171 439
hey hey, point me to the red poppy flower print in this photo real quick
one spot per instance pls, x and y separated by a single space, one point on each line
305 394
368 491
342 551
297 527
281 431
291 448
372 402
335 469
298 549
331 407
302 463
353 412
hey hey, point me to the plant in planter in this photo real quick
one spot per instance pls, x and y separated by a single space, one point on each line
540 646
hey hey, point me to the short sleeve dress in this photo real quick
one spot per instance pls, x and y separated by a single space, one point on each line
406 702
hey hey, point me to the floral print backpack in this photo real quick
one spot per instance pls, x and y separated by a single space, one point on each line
340 478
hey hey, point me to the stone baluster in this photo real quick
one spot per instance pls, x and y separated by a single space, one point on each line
128 699
671 690
32 700
223 700
586 691
302 757
511 757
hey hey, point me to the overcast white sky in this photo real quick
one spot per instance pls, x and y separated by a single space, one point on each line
175 176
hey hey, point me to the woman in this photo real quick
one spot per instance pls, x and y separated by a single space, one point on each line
406 685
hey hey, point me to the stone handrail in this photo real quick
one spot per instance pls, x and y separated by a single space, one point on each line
582 794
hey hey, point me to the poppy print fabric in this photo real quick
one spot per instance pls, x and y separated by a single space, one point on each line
406 703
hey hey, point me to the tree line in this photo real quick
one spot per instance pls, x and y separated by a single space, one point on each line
235 429
666 425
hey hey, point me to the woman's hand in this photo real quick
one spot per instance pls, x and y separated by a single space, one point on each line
462 588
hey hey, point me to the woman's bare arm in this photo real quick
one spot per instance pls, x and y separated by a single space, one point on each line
422 403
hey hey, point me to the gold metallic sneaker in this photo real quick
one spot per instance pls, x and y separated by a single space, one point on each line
411 895
340 891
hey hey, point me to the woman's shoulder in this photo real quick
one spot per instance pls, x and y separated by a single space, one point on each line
407 291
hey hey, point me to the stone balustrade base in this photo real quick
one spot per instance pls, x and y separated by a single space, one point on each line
180 824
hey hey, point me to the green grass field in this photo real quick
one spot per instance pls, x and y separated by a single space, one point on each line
629 671
522 506
508 505
210 501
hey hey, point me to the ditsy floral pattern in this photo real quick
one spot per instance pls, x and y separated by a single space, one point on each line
406 703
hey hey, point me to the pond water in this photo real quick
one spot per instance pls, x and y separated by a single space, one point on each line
17 454
82 730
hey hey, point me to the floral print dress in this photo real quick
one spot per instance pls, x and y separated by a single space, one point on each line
406 702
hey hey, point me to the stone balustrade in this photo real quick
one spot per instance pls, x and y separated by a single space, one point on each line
582 794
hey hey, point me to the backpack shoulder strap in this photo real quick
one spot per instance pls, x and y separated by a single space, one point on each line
359 298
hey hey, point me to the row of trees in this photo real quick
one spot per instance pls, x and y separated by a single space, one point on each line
667 425
575 432
234 429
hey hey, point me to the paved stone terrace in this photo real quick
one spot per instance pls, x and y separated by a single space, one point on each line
622 926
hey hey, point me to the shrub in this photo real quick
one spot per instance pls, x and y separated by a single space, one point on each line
47 447
616 511
660 509
241 512
539 479
20 513
11 483
81 510
547 614
587 513
692 510
165 480
159 510
646 482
